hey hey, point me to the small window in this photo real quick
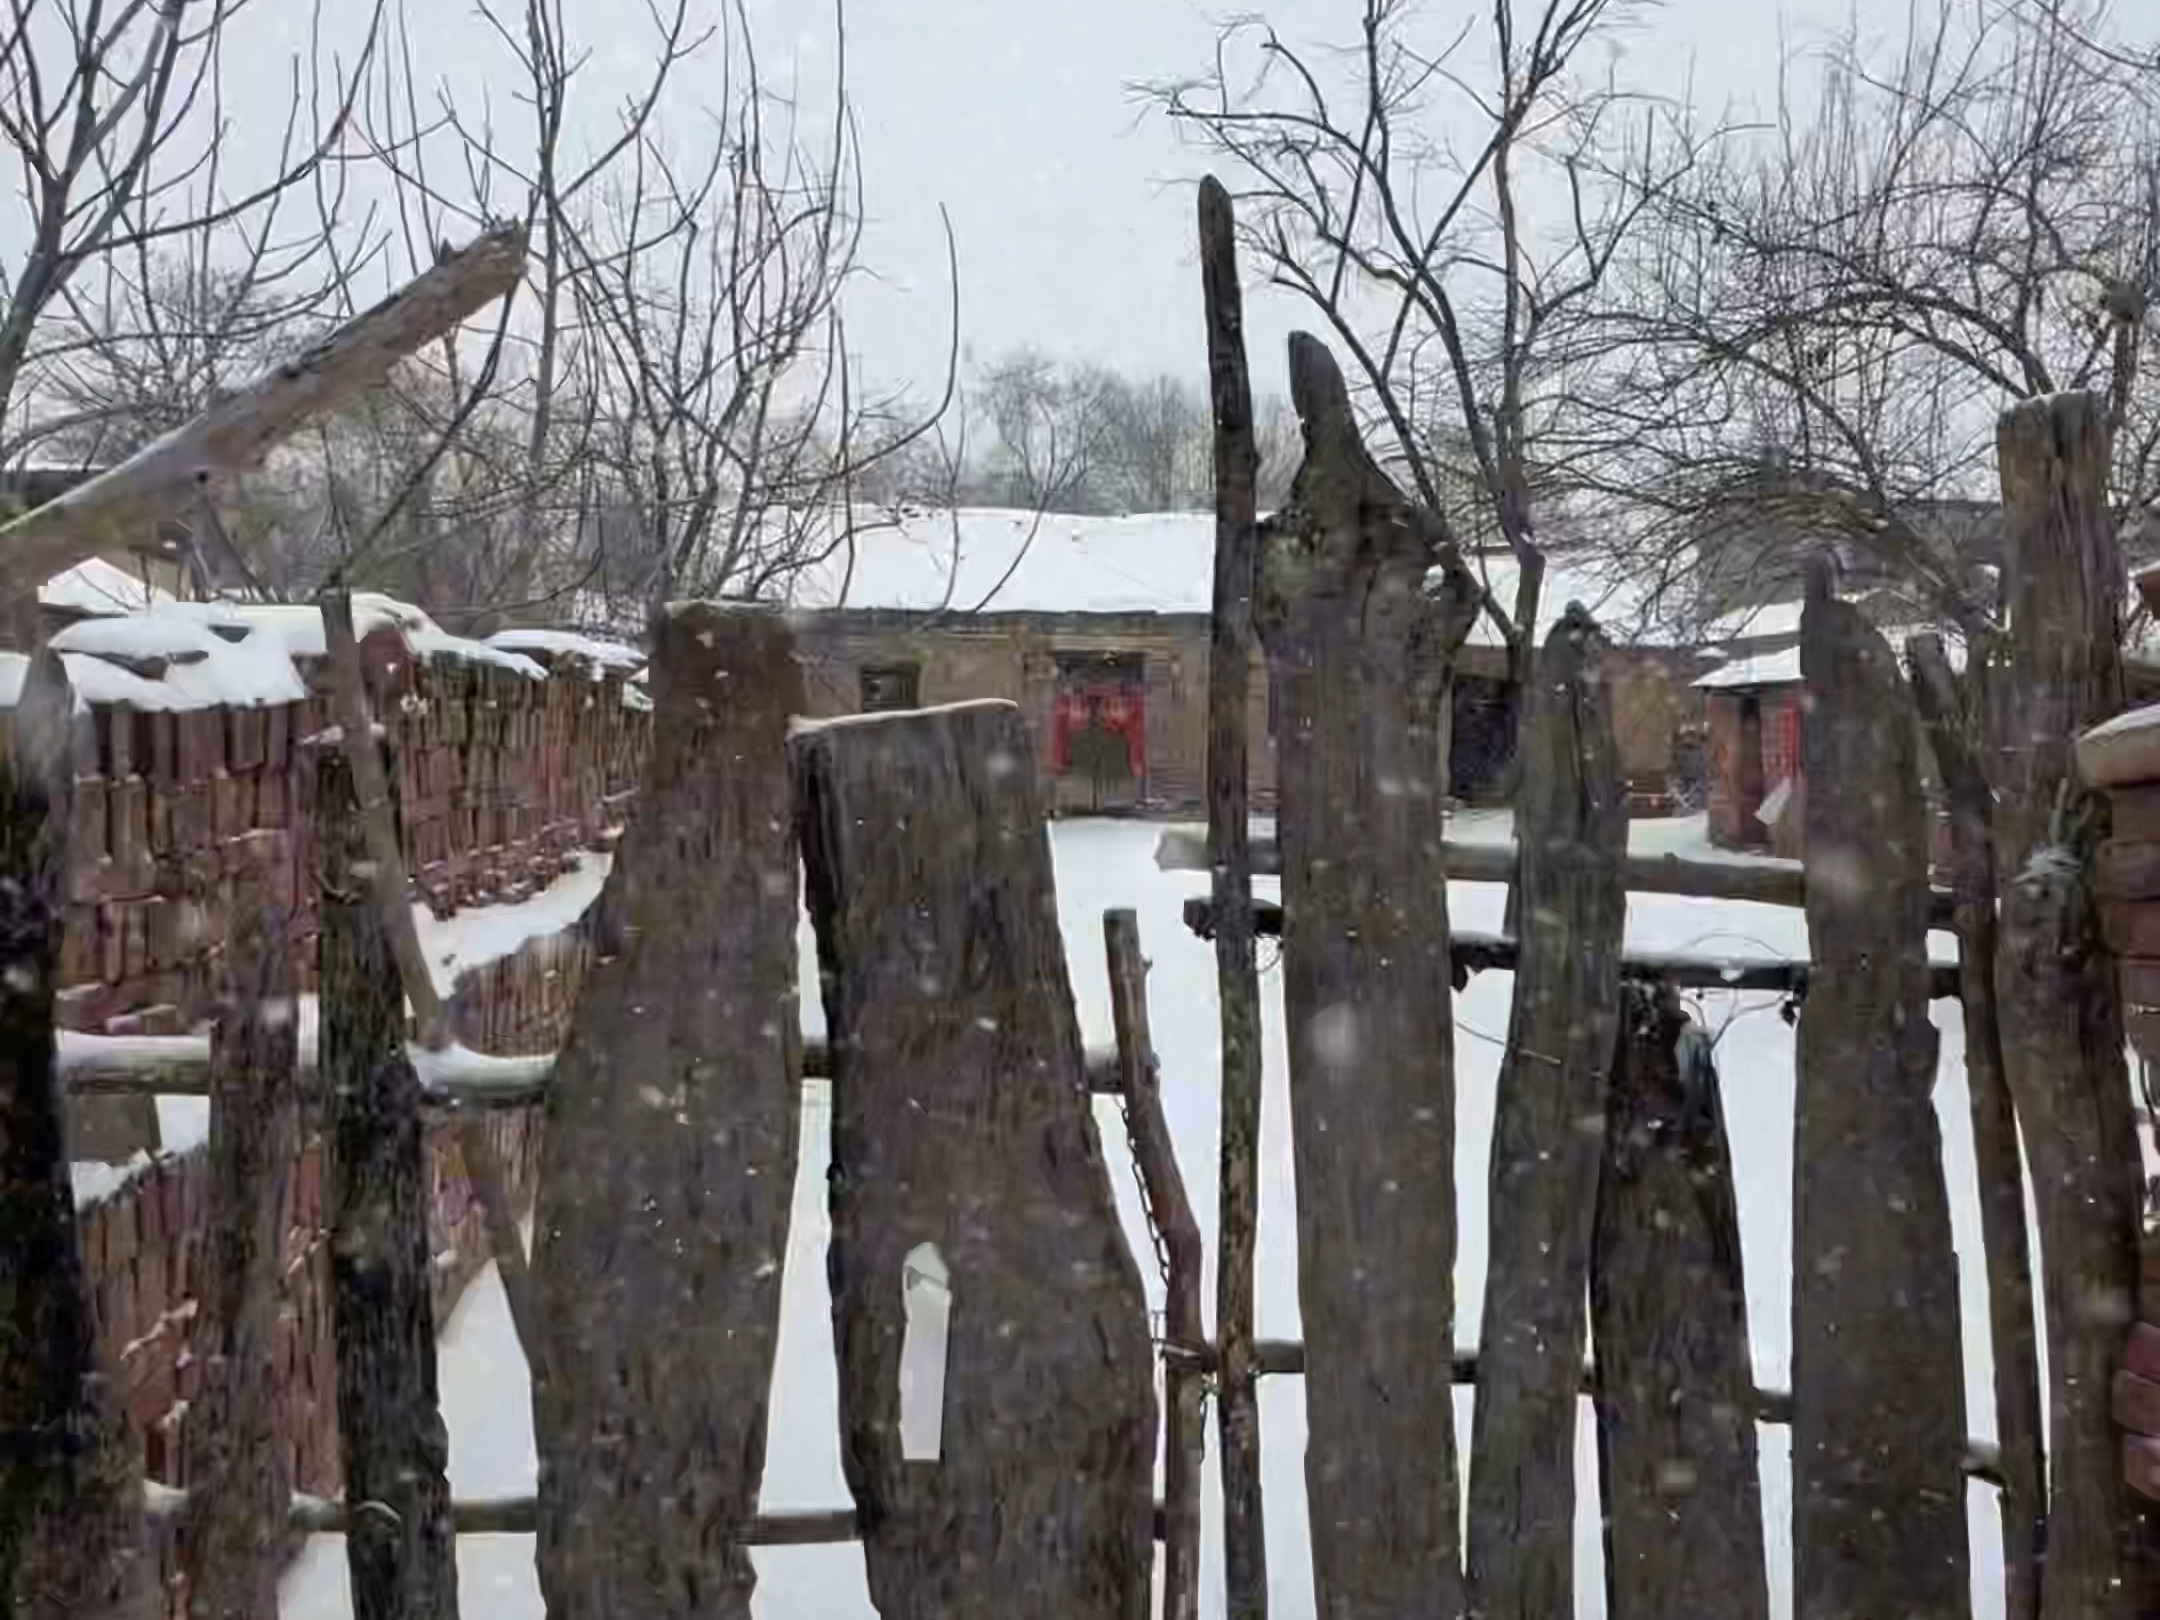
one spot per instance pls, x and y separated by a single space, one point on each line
890 686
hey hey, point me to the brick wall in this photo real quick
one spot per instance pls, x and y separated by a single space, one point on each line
500 779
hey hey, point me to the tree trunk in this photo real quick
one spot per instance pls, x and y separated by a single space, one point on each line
1675 1388
1237 975
669 1154
71 1518
2062 1038
997 1400
1996 1155
233 1535
1357 654
1878 1369
1572 828
399 1549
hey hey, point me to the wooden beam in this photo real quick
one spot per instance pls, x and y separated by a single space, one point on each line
402 1562
70 1478
1229 858
1475 952
669 1151
120 507
1997 1157
1673 1388
1356 653
2057 996
1170 1215
989 1315
1571 815
1763 881
179 1066
1878 1375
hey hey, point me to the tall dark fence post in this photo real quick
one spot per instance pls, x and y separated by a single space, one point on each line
668 1160
1237 974
1674 1383
2055 985
1358 654
1571 817
1878 1364
997 1399
71 1519
399 1549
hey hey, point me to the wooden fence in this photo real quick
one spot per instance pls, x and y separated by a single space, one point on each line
998 1389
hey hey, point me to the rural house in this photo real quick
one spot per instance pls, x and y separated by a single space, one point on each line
1098 629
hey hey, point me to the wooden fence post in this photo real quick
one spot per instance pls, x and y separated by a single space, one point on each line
1674 1384
1996 1156
232 1534
1237 973
400 1551
1571 814
668 1154
1170 1212
1358 654
997 1399
71 1519
1878 1365
2055 984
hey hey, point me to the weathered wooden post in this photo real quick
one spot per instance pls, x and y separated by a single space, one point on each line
669 1155
1878 1366
1358 654
1953 732
1237 974
1674 1384
1170 1212
400 1550
1548 1133
2062 1032
233 1529
997 1398
71 1517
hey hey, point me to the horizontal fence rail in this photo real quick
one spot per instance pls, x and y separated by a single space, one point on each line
1766 880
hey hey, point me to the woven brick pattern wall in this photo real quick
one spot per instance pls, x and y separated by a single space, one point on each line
500 780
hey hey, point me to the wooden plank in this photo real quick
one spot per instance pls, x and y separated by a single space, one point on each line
1878 1370
117 508
961 1124
1571 815
1473 951
1185 1348
2056 995
1762 881
1357 657
70 1486
229 1545
1997 1159
1676 1404
1229 858
668 1158
402 1562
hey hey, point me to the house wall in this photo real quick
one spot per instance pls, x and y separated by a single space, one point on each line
1015 657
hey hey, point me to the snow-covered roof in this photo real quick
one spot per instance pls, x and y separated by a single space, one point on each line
97 586
1765 669
298 625
610 656
1006 561
1770 621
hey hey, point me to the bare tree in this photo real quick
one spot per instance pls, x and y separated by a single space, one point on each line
1455 306
116 114
1827 319
1052 425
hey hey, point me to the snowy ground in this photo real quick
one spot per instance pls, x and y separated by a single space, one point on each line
1111 863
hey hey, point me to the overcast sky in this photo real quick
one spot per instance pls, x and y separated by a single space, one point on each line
1071 202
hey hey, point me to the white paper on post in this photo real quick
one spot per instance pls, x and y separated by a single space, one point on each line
927 1297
